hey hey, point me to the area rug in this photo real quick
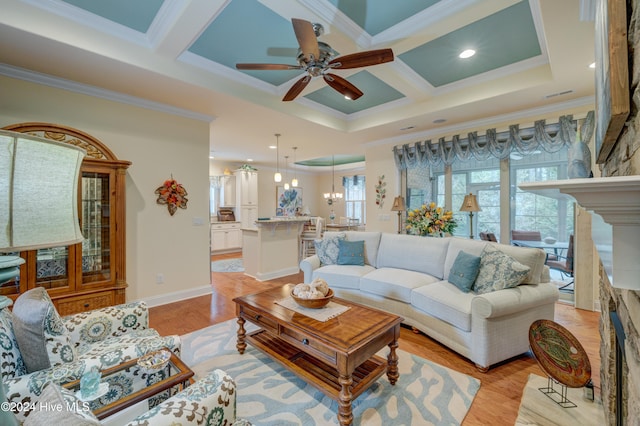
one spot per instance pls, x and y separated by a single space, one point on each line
227 265
268 394
537 408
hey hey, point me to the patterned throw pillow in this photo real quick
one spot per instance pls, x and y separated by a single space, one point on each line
351 252
498 271
41 335
65 409
464 271
328 248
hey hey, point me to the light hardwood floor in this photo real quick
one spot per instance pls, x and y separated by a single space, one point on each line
499 396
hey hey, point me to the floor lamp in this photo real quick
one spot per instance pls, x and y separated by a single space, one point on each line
398 206
470 204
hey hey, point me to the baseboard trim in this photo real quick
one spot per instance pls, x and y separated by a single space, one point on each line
176 296
275 274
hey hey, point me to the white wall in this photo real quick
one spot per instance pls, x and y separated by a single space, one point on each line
159 145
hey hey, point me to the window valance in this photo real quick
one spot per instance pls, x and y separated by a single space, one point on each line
542 136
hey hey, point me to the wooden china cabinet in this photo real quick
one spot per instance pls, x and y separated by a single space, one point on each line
91 274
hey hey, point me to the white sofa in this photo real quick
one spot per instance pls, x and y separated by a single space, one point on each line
407 275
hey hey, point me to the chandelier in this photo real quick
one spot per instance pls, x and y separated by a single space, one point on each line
333 196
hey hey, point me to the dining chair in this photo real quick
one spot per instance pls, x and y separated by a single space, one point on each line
488 236
564 264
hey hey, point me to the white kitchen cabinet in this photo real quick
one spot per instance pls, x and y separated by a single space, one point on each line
247 188
248 216
229 192
226 236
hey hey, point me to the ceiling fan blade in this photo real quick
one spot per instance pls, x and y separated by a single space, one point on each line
297 88
306 38
363 59
267 67
342 86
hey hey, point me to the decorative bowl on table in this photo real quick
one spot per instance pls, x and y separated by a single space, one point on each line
154 361
315 303
550 240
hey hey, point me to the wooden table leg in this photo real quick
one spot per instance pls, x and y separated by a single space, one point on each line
392 363
241 345
345 415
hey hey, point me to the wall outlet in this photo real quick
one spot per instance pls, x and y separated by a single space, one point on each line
197 221
159 278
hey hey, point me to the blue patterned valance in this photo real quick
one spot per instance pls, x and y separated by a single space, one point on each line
542 136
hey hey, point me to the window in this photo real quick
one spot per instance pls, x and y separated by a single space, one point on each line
354 197
531 212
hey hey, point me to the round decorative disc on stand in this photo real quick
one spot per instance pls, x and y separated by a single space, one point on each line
559 353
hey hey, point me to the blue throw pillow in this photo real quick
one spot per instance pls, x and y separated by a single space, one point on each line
351 252
327 249
464 271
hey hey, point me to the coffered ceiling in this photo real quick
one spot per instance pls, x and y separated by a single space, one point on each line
181 54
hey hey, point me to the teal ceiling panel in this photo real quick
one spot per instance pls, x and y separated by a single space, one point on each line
247 31
137 15
338 160
375 16
376 92
501 39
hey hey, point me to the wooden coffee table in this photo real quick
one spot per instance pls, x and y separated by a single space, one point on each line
336 356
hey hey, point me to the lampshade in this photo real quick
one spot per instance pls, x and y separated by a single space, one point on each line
39 192
470 204
398 204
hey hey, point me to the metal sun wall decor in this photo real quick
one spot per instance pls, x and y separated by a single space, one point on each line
172 194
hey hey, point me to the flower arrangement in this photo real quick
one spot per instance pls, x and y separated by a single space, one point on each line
430 220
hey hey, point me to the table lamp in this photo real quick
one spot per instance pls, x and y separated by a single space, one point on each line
470 204
398 206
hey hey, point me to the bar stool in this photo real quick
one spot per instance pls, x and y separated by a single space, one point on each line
307 246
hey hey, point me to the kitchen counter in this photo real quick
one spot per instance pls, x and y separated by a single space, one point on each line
271 250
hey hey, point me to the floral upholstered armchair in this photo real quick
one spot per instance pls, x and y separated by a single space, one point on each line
209 401
37 346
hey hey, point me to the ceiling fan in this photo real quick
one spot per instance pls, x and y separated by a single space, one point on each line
317 59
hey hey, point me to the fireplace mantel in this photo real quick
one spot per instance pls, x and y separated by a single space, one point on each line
617 200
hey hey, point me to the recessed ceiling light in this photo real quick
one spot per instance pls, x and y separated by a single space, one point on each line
467 53
439 120
592 65
272 147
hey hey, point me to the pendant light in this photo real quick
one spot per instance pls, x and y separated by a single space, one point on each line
294 181
286 166
277 177
332 196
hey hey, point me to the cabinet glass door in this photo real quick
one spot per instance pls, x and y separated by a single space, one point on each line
52 267
96 227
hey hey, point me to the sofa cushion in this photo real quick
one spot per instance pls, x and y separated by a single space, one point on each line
371 243
342 276
41 335
532 257
498 271
456 245
65 409
350 253
446 302
328 248
464 271
413 253
394 283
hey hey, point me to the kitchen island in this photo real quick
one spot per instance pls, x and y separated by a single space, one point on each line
271 249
